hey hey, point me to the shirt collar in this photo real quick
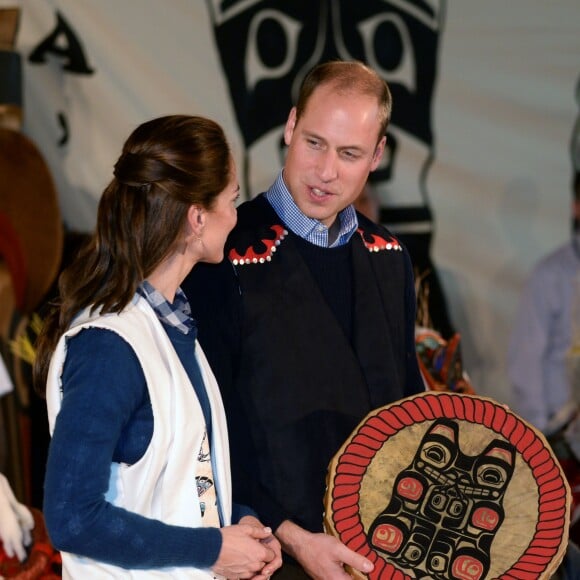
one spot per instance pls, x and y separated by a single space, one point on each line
310 229
177 315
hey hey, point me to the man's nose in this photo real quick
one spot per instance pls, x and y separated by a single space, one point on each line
327 166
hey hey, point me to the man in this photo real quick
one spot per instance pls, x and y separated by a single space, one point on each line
310 323
544 349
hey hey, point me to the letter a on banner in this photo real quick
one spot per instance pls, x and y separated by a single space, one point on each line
77 63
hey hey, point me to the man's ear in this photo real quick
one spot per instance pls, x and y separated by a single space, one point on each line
290 125
379 150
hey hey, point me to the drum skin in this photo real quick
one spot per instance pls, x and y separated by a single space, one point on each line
446 485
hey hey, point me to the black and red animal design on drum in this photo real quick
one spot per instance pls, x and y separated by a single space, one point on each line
446 507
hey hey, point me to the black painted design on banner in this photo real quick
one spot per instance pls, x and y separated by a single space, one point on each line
72 53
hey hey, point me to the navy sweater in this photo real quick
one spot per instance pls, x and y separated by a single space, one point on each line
106 416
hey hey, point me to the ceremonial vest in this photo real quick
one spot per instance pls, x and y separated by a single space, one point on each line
171 456
302 384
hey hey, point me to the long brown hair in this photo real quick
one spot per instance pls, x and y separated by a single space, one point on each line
167 165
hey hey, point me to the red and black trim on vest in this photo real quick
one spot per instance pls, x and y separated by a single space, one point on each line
264 250
376 243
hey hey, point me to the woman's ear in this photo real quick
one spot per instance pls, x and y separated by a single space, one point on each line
196 217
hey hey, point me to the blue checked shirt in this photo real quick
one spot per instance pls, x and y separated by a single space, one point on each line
177 314
307 228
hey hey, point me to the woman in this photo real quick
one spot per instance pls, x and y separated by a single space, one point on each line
138 481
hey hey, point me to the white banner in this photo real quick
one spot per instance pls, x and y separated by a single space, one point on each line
484 108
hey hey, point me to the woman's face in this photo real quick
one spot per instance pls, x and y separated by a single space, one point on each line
220 220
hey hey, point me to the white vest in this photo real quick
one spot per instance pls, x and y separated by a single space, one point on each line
161 485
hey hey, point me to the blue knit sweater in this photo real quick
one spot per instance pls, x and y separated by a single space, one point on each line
106 416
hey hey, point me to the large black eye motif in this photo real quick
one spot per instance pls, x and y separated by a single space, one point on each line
272 46
388 48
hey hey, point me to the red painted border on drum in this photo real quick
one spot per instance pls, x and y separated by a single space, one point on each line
378 428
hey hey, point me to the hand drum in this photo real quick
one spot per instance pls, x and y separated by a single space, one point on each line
446 485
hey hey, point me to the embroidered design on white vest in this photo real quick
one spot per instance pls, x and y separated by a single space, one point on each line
206 487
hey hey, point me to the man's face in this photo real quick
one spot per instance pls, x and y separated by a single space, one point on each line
332 148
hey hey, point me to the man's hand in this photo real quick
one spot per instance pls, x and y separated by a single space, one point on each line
323 557
16 522
245 551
